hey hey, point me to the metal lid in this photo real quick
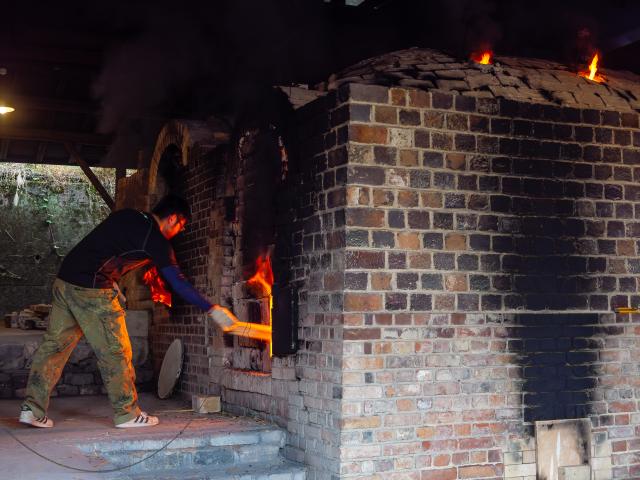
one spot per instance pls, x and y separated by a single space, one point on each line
170 369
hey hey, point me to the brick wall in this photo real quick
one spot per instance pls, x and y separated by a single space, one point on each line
317 271
303 392
195 252
461 212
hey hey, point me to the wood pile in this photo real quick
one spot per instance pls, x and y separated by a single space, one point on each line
33 317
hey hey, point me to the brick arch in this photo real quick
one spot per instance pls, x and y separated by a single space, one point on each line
186 135
176 133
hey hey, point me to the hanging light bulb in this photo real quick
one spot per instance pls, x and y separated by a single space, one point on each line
5 107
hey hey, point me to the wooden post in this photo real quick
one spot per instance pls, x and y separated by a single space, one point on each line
121 172
75 156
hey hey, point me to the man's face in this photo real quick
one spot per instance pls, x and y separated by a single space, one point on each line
173 225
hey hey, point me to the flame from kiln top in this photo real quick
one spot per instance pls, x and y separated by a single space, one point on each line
483 57
159 292
593 69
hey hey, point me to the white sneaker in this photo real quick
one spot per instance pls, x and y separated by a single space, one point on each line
142 420
27 416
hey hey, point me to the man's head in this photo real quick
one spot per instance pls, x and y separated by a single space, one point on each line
172 214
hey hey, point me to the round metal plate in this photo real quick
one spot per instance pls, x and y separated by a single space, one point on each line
171 369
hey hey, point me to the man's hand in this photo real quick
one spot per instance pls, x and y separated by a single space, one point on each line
222 317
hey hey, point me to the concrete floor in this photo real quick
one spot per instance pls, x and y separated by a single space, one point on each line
87 420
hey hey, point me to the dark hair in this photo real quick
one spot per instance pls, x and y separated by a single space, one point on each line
171 204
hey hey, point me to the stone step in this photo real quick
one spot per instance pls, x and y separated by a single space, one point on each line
193 451
274 470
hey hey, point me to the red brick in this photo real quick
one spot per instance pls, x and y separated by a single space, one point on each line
441 460
432 199
381 281
361 422
382 198
460 458
419 98
455 282
425 432
407 198
441 474
408 158
455 241
398 96
368 134
333 281
411 241
386 114
355 302
456 161
416 260
479 471
617 407
361 334
479 456
444 302
626 247
440 445
364 259
405 405
433 119
365 217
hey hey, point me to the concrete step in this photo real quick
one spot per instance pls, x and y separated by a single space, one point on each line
274 470
194 451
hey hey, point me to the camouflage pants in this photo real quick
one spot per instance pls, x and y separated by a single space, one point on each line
96 314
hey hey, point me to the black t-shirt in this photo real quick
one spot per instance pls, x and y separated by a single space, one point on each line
125 240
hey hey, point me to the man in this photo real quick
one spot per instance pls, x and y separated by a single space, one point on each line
85 302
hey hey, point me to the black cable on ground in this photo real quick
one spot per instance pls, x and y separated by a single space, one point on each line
107 470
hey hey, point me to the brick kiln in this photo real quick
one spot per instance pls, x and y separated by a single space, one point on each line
449 241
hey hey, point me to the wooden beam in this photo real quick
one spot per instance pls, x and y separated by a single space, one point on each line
54 104
14 133
75 156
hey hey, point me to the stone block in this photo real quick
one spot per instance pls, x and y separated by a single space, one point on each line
11 357
83 351
139 350
205 403
519 470
79 378
137 323
581 472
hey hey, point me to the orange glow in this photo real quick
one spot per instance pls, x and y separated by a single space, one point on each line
159 292
483 57
262 282
593 69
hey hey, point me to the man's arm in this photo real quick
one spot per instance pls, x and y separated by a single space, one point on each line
182 287
221 316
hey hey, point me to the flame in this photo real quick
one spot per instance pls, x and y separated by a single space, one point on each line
593 69
262 283
159 292
483 57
